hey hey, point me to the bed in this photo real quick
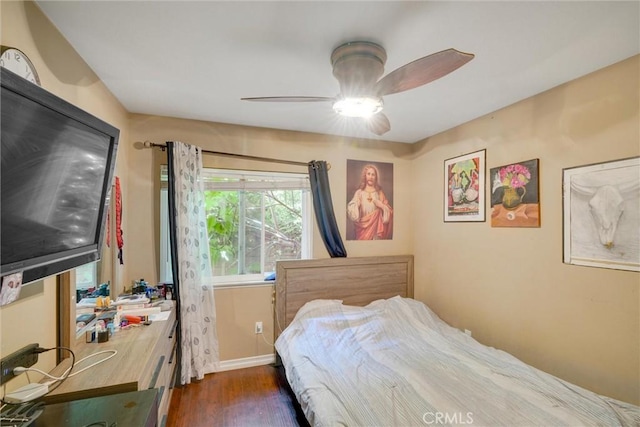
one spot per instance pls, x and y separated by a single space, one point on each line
357 350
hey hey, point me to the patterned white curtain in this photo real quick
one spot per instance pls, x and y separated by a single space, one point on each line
200 354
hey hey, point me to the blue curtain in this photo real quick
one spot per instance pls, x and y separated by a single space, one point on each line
323 207
173 243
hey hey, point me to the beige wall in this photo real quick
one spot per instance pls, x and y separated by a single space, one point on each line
509 285
237 311
65 74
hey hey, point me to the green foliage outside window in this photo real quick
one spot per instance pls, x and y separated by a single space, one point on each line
253 219
236 221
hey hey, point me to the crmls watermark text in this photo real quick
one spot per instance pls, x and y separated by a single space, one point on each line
447 418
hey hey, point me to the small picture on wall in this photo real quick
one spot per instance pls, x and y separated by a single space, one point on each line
601 215
464 193
10 288
369 200
515 195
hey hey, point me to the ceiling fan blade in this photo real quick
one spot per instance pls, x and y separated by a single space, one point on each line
422 71
289 99
378 124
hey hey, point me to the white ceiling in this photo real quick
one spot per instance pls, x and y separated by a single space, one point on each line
197 59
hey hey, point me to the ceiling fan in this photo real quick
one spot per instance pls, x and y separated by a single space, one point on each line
358 65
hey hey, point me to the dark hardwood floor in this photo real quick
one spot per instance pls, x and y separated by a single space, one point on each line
244 397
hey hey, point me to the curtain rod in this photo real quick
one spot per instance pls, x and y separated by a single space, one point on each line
149 144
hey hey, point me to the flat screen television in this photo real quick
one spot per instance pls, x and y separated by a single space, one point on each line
56 170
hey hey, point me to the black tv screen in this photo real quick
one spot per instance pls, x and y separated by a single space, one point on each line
56 172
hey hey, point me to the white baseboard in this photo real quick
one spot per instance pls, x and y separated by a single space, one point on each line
247 362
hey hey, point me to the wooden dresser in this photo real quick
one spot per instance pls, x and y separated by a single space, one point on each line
146 359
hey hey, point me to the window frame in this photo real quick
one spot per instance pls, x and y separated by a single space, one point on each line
165 266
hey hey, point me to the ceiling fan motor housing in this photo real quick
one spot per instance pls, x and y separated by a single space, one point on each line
357 66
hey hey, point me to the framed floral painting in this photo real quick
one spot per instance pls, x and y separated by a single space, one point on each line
515 195
464 188
601 215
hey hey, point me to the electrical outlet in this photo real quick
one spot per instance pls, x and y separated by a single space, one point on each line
258 327
25 357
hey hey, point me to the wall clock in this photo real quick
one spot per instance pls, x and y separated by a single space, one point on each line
15 60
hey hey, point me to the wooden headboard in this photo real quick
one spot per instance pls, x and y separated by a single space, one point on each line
355 281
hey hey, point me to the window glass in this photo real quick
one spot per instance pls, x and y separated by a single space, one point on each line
86 276
253 220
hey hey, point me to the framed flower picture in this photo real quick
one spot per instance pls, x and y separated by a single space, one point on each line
464 188
515 195
601 215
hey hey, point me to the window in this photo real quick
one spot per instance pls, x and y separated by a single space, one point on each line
86 279
253 220
86 276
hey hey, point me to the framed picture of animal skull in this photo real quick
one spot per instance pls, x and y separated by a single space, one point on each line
464 187
601 214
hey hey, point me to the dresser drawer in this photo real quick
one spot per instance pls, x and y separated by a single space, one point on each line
165 368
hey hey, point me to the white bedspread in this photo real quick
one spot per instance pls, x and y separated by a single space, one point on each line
395 363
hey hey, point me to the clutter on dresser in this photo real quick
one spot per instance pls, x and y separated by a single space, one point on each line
98 316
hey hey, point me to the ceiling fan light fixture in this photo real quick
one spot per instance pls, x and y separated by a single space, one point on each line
358 106
358 66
